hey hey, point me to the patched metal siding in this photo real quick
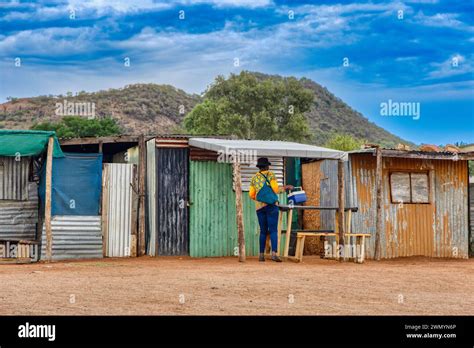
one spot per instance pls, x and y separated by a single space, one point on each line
321 185
118 182
437 229
172 201
471 218
74 237
18 219
213 228
14 178
249 170
151 197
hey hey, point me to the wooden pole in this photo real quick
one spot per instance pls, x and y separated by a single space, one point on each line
289 221
47 208
378 183
341 200
239 210
141 190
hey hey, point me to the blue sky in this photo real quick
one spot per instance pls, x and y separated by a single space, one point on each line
406 51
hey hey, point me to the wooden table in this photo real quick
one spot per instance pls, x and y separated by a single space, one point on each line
302 234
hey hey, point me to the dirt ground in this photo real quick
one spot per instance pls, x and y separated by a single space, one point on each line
223 286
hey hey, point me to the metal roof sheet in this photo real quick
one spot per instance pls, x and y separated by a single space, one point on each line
268 148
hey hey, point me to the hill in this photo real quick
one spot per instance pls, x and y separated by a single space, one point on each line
152 108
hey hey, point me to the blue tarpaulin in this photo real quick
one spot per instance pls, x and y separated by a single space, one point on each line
76 184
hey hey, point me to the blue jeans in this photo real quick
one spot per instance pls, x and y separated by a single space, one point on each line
268 221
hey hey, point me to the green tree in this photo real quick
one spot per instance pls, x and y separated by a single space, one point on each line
76 127
344 142
249 107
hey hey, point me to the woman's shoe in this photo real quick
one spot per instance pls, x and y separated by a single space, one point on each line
276 258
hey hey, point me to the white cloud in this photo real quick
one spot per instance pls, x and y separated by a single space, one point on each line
453 66
442 20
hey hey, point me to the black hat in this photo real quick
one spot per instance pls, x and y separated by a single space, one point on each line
263 162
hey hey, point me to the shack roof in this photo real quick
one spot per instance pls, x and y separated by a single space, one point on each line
442 155
268 148
27 142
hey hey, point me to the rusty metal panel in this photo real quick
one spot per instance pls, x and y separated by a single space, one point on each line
436 229
198 154
471 219
18 219
14 174
119 179
151 197
74 237
451 190
364 192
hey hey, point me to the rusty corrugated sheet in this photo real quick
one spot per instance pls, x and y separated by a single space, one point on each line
118 179
18 219
364 190
437 229
14 174
74 237
471 219
198 154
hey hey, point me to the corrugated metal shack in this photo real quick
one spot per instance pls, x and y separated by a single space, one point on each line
122 222
22 155
191 201
422 208
213 227
76 191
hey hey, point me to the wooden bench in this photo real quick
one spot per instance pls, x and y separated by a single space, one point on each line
359 240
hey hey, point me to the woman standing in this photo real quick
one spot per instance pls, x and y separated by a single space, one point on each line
263 190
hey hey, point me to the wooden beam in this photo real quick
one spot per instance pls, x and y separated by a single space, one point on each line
289 221
239 210
378 184
341 204
100 146
105 209
134 217
104 140
141 190
47 208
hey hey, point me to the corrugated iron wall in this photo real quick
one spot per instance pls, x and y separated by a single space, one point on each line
151 197
437 229
320 182
172 200
212 207
365 193
452 229
248 171
18 219
118 179
471 210
213 228
74 237
14 178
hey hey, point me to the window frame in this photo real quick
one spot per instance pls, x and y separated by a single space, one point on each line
410 172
